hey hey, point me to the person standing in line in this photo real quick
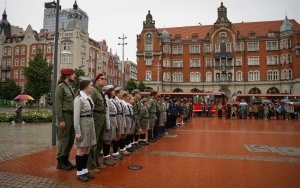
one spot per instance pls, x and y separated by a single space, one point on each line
64 105
18 111
152 108
144 115
220 110
136 106
100 119
84 128
111 124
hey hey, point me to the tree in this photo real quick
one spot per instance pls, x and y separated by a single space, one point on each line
10 90
38 75
142 86
78 72
131 85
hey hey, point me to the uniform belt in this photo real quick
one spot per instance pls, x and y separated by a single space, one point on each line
87 115
98 111
112 115
67 111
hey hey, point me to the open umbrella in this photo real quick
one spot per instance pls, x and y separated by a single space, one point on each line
24 97
285 100
243 104
266 101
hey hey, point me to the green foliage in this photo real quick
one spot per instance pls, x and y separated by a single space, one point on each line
78 72
38 75
142 86
9 90
31 116
131 85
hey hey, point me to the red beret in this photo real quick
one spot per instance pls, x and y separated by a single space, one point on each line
98 76
67 71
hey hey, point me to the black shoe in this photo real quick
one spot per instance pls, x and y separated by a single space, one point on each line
61 165
82 178
89 175
130 149
152 141
70 164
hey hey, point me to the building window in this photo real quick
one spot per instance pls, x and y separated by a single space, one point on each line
148 61
238 61
285 43
222 34
272 45
48 60
166 76
9 63
194 62
177 49
148 47
253 61
148 75
252 35
207 48
217 48
194 49
208 77
177 77
239 76
16 62
194 77
166 49
21 74
252 46
228 47
23 51
17 51
21 86
3 63
166 62
272 60
253 76
177 64
286 74
208 62
49 49
238 47
33 50
9 52
16 74
4 52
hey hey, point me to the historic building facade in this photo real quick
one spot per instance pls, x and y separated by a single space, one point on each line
253 57
75 50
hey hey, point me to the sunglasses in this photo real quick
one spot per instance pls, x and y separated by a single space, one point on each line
103 78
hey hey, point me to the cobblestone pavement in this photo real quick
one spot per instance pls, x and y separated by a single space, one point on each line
201 153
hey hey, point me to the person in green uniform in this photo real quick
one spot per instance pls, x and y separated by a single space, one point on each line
152 107
136 127
144 115
100 119
64 105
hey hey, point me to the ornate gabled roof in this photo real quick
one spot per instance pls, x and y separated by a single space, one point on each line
5 26
74 18
286 25
165 34
149 23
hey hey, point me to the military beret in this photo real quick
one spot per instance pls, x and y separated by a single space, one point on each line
135 91
67 71
107 87
98 76
144 100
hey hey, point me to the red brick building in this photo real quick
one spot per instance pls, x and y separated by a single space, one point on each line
253 57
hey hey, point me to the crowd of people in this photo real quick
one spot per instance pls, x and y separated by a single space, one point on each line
100 117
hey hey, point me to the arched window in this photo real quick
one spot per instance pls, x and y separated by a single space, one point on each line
177 77
166 76
194 77
148 75
254 90
273 90
270 75
239 76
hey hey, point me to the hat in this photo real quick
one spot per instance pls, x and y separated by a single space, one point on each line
144 100
118 89
135 91
85 78
98 76
107 87
67 71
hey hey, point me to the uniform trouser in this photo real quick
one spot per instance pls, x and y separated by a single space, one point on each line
65 138
93 160
156 126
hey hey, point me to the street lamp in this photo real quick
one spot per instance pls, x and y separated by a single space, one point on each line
123 64
54 78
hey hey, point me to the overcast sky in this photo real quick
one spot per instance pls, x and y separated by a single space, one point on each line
111 18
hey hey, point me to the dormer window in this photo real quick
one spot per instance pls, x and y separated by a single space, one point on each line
252 35
222 35
148 36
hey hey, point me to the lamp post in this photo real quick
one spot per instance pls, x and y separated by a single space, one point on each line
158 70
123 64
54 78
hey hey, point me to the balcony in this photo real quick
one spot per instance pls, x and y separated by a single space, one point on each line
225 82
223 68
5 68
5 79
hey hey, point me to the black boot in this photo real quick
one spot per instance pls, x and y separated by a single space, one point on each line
61 165
69 163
